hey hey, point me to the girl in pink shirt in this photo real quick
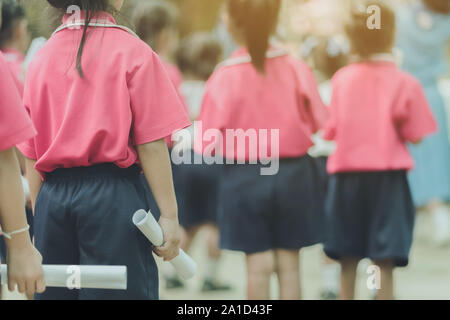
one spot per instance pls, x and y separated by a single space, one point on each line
376 109
14 39
262 106
155 23
23 260
102 103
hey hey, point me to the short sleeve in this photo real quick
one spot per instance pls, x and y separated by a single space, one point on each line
316 109
414 117
156 106
15 124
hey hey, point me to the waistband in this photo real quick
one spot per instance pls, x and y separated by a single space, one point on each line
98 170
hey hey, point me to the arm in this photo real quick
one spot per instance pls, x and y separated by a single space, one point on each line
23 260
155 161
34 180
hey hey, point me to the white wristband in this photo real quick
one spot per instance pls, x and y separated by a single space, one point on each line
8 235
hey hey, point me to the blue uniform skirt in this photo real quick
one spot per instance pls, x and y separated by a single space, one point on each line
259 213
83 216
369 215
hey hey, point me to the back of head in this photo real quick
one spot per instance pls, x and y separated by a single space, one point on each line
253 22
371 27
11 14
439 6
151 17
198 55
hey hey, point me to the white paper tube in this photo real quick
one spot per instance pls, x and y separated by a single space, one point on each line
146 223
81 277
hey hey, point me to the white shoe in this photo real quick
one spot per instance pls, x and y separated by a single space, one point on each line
441 221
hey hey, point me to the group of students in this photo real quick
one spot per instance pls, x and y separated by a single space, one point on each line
106 107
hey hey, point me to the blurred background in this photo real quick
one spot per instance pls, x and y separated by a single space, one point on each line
427 276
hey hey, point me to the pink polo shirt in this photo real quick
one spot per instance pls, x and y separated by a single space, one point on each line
285 98
15 60
174 74
375 110
124 99
15 125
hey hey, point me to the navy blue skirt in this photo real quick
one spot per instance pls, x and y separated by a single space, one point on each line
259 213
369 215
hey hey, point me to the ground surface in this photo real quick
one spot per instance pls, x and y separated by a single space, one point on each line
427 276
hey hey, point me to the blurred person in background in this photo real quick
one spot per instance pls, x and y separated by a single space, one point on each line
423 36
261 87
327 55
375 110
155 23
197 185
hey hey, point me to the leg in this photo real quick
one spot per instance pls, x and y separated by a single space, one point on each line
188 236
260 267
288 270
348 277
441 221
386 291
330 278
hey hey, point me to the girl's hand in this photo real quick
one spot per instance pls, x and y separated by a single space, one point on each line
25 270
172 238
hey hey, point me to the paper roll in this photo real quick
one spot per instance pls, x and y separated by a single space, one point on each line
146 223
81 277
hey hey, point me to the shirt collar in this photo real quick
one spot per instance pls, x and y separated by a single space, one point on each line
99 17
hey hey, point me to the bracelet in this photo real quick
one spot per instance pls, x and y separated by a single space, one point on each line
8 235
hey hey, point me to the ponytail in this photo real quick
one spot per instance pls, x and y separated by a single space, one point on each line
90 7
256 20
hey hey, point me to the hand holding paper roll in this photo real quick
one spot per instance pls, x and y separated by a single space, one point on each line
146 223
80 277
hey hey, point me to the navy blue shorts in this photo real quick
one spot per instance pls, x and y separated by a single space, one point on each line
259 213
29 213
196 188
369 215
84 216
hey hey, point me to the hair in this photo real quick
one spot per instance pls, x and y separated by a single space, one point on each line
198 55
439 6
328 54
11 14
255 21
151 17
365 41
90 7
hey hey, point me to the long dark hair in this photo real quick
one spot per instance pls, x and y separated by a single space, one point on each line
256 20
89 7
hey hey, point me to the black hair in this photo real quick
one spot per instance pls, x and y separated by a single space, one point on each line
364 41
11 13
198 54
256 20
90 7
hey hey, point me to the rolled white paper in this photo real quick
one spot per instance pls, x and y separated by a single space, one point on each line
80 277
146 223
